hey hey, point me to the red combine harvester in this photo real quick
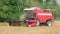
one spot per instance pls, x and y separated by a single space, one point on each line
36 16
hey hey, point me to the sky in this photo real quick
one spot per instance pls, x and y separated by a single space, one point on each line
58 1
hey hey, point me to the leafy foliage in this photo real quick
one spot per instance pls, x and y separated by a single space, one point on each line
14 8
9 9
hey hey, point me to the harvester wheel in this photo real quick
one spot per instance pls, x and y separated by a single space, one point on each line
37 22
49 23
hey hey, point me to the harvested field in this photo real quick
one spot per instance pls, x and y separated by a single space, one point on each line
54 29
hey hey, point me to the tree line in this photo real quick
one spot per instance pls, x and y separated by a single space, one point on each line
13 9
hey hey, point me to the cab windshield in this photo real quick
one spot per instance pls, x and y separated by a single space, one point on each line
29 13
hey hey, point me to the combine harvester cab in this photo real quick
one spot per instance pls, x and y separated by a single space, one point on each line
37 16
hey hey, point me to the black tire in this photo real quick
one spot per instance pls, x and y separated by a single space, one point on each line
49 23
38 22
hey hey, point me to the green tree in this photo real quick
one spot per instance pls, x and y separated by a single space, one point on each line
9 9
